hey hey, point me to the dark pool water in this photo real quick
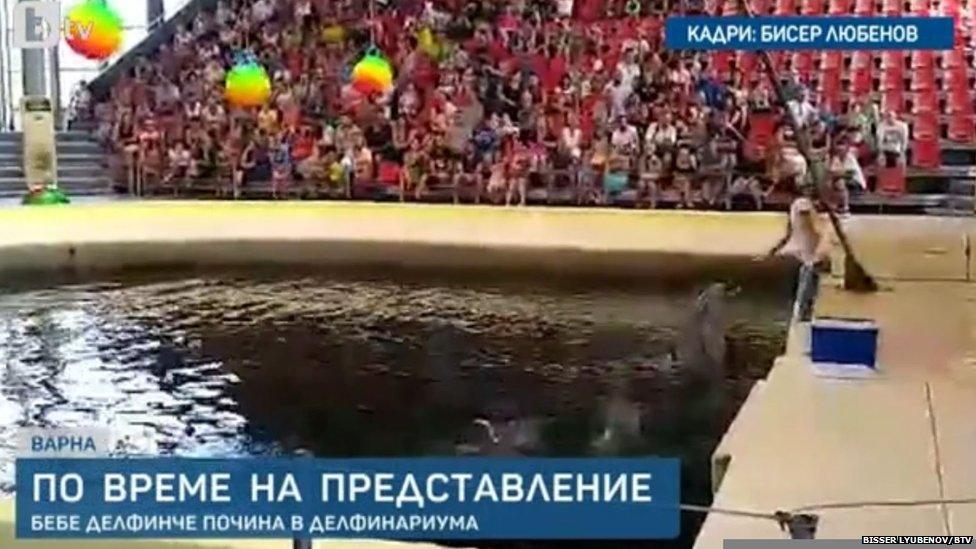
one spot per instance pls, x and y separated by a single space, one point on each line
228 363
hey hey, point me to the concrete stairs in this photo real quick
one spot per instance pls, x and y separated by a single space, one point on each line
81 165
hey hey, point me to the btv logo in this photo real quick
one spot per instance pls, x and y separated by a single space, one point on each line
37 25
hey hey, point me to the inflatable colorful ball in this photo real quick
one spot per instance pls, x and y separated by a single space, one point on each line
372 74
247 85
93 29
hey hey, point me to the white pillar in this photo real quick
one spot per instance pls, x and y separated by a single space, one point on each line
32 71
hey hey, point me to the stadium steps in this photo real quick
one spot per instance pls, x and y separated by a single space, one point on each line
81 165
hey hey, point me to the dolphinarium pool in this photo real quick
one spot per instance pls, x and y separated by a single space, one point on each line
271 362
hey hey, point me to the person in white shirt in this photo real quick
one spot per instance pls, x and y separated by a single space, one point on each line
571 140
564 8
618 92
806 240
624 138
892 140
661 136
803 110
261 11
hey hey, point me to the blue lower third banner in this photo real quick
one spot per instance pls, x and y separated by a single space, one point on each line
465 498
809 33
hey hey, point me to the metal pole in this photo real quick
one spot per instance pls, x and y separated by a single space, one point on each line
3 65
155 14
8 90
55 75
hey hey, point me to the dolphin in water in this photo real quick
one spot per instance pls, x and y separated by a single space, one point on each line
702 343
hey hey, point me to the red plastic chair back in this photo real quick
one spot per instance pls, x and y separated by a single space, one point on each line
923 59
926 101
926 153
388 173
955 59
762 125
893 60
891 7
957 78
960 101
831 60
892 79
923 80
812 7
785 7
891 181
919 7
926 126
861 81
839 7
893 100
962 128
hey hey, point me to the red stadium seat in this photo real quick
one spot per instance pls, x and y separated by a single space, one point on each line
926 101
923 59
954 59
893 100
762 126
891 181
812 7
926 126
960 100
919 7
892 79
831 60
388 173
891 7
962 128
951 8
923 79
861 81
956 78
893 60
785 7
926 153
839 7
862 60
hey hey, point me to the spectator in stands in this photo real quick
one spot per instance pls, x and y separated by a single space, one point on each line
716 167
178 168
845 172
80 103
684 171
748 185
650 174
892 140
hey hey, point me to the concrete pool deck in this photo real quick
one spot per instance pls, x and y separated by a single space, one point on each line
909 434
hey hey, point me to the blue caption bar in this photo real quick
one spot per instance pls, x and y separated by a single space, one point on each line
442 498
809 33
